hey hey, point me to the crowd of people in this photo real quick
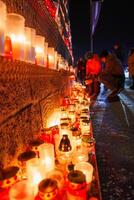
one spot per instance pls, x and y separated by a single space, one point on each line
107 68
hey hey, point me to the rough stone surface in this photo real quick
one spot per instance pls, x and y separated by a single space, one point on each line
28 95
113 127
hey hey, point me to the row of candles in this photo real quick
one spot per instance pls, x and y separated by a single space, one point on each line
18 42
57 164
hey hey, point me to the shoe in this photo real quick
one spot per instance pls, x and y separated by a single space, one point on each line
115 92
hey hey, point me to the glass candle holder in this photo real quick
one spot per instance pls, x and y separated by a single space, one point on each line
9 176
85 126
47 156
3 12
40 50
88 143
76 186
79 156
34 173
46 53
22 159
21 191
15 31
33 34
58 176
48 190
51 57
72 116
87 169
28 44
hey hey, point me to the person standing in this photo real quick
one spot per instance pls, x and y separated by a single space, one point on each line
93 68
131 66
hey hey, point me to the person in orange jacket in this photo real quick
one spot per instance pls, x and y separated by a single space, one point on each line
93 68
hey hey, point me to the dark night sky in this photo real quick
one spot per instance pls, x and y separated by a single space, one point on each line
116 24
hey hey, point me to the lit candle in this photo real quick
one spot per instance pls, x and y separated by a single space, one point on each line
2 25
22 160
27 44
79 156
46 51
40 50
15 30
51 57
55 59
47 156
21 190
85 126
34 173
76 186
87 169
72 116
33 33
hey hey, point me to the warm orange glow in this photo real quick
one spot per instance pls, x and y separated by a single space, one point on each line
15 30
2 25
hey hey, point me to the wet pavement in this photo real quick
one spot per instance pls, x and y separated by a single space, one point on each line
113 126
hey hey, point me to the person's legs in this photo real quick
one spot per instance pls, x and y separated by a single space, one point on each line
132 86
114 83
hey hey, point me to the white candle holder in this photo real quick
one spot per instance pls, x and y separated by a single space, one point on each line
33 34
51 58
47 156
34 173
40 50
21 191
2 26
15 31
87 169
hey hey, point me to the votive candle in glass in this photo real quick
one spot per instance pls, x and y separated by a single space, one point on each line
51 57
34 173
15 30
40 50
47 156
46 53
33 34
27 44
21 191
3 12
87 169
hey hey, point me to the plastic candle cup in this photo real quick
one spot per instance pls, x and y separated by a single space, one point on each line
34 173
21 191
2 26
22 160
33 33
47 156
28 44
39 50
87 169
46 57
76 186
15 31
51 57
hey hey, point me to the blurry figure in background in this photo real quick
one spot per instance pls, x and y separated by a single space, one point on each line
119 52
113 74
131 66
93 68
81 70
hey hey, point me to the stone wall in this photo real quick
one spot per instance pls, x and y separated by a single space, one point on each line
28 95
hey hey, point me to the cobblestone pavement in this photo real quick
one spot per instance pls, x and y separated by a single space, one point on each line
113 126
